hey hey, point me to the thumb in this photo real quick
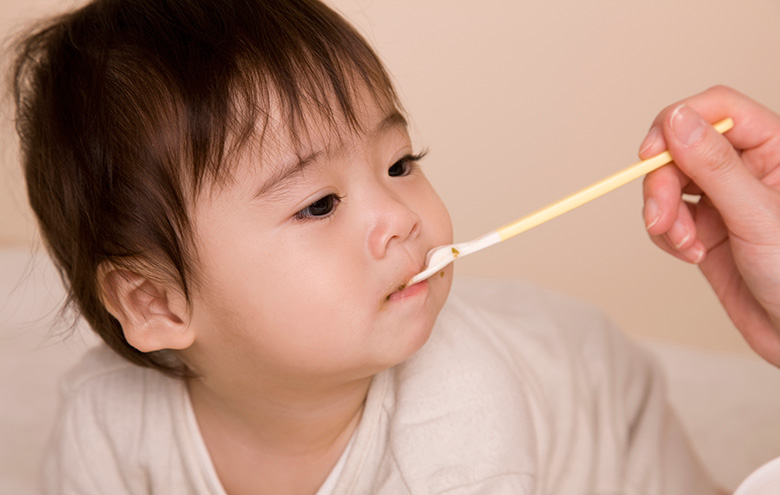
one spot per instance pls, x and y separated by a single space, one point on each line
714 165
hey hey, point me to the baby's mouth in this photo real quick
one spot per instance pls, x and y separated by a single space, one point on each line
406 290
399 289
403 283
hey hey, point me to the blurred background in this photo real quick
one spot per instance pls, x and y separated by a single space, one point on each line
522 103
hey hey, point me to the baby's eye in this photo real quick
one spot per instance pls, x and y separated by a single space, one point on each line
405 165
323 207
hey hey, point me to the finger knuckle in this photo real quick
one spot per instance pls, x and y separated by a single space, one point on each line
719 157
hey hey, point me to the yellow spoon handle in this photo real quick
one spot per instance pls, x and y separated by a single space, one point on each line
594 191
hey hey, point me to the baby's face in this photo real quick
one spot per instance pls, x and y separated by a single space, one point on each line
302 255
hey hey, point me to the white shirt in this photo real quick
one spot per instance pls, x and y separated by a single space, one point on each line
518 391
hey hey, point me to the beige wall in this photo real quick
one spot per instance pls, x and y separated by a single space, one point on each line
522 103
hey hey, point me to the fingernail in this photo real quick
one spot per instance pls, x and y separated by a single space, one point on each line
687 126
683 241
697 256
652 213
653 137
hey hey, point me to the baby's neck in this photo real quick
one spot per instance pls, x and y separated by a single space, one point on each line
277 441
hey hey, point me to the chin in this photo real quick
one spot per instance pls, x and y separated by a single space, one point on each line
420 329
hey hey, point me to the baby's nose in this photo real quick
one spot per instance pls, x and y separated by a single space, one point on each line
394 223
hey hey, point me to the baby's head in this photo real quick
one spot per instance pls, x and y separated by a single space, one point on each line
232 180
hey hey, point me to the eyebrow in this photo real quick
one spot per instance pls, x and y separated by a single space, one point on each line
391 121
283 175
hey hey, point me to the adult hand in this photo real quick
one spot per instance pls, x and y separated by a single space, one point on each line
733 232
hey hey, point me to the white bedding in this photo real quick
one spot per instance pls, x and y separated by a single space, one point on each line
730 404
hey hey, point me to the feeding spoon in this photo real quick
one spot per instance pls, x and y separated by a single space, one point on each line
441 256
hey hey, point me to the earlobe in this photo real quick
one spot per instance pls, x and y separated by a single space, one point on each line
153 315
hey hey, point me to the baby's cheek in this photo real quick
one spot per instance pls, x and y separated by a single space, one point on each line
443 224
436 217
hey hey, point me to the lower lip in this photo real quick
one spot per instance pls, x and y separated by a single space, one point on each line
409 292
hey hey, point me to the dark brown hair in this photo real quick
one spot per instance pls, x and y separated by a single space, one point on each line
127 108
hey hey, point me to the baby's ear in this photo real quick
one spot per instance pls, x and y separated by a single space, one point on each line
154 315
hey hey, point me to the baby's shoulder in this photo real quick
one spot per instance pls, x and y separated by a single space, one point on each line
102 369
97 364
104 389
124 427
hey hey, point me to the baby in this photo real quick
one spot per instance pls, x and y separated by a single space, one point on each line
231 194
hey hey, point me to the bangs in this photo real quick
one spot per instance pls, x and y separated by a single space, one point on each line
306 67
315 90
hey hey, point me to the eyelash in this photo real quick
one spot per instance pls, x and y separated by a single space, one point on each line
331 201
409 162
